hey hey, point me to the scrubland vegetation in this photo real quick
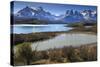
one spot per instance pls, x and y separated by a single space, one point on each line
32 37
26 56
84 27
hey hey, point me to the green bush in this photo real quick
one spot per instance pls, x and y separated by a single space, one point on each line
25 53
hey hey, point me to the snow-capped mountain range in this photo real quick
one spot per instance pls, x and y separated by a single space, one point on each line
70 15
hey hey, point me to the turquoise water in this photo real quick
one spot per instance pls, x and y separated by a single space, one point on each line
27 28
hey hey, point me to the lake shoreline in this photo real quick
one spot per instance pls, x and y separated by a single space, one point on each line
86 52
45 35
57 35
69 39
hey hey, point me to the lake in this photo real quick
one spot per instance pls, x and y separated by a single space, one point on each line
64 39
29 28
69 39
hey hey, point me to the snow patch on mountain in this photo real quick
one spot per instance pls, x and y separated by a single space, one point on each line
70 15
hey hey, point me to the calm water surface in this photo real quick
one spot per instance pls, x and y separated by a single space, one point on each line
74 39
27 28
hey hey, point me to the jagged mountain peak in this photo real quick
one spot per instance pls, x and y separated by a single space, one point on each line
71 15
72 12
27 8
39 13
69 12
25 12
40 8
89 14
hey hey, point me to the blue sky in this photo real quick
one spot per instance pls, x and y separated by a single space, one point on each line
56 9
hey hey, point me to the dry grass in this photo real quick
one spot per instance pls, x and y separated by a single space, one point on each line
63 55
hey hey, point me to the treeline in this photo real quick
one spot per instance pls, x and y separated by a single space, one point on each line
25 55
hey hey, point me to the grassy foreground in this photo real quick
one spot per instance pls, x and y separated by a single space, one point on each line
26 56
